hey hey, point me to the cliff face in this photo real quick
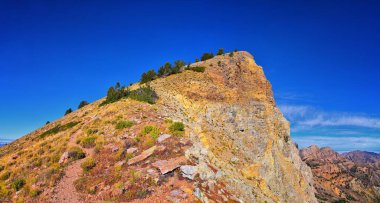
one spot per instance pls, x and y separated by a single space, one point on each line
235 147
237 129
351 177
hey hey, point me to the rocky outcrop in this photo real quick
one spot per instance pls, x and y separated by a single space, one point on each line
338 178
232 114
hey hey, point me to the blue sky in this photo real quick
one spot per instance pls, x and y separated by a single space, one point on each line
320 56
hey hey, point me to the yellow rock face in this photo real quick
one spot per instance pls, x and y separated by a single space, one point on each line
233 116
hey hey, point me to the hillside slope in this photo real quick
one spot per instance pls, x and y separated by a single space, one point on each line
235 146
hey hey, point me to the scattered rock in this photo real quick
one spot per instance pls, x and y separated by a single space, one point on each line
145 154
125 136
166 166
161 148
114 148
131 150
234 160
163 138
188 171
64 157
178 193
15 156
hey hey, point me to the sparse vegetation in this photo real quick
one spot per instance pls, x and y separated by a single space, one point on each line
58 129
231 54
68 111
177 66
88 141
88 164
123 124
177 128
82 104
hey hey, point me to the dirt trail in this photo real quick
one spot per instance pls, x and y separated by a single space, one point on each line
65 190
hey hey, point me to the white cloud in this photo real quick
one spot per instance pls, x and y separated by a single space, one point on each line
305 116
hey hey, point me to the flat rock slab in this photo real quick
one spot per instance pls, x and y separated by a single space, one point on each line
163 138
166 166
145 154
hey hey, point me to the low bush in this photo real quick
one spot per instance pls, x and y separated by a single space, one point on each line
88 142
35 192
144 94
58 129
123 124
153 131
231 54
18 184
89 164
207 56
76 153
177 128
5 175
4 192
200 69
82 104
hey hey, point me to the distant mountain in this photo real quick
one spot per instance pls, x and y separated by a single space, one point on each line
362 157
348 177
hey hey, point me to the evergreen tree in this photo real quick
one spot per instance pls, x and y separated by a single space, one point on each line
220 51
148 76
68 111
84 103
207 56
177 66
165 70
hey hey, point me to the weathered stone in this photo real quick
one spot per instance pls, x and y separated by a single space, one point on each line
166 166
145 154
64 157
188 171
131 150
163 137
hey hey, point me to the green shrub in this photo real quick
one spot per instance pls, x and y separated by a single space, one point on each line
2 167
165 69
34 192
231 54
57 129
207 56
92 131
88 142
18 184
5 175
76 153
220 51
144 94
177 128
82 104
89 164
124 124
148 76
68 111
200 69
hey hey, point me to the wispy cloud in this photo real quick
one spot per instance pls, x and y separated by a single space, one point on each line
306 116
340 144
341 130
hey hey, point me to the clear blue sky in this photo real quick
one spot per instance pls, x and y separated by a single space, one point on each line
322 57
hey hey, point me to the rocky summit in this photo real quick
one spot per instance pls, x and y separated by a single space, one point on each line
234 145
347 177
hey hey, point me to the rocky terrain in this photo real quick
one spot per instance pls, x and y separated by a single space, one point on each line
347 177
212 136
